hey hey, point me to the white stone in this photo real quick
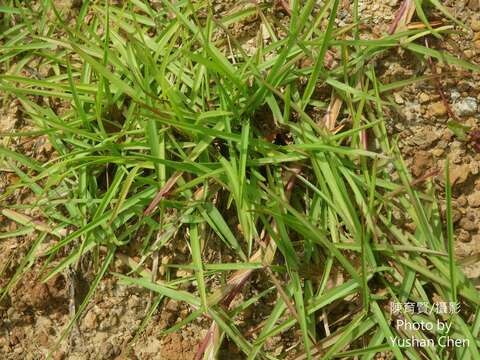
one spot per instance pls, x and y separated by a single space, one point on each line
466 107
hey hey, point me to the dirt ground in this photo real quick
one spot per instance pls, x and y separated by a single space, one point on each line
32 318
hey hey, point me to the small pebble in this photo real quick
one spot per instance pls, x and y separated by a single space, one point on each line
466 107
423 97
454 95
398 98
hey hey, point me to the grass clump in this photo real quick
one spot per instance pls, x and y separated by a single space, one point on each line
167 130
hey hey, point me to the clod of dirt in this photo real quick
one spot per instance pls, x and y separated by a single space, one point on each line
68 4
108 351
32 293
456 215
457 153
473 5
462 200
467 249
459 174
175 346
59 355
110 321
437 109
466 107
90 321
437 152
424 137
475 24
422 161
463 236
424 98
467 224
474 199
